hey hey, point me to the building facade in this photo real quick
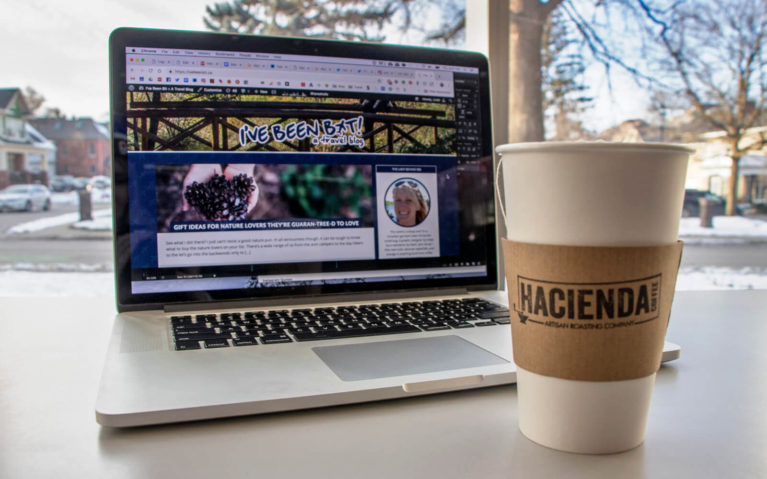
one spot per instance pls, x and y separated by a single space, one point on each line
26 156
82 145
709 166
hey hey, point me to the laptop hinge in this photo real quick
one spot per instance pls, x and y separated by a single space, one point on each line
324 299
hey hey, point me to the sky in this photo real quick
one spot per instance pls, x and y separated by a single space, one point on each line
59 48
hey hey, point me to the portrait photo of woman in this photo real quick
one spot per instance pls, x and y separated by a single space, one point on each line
407 202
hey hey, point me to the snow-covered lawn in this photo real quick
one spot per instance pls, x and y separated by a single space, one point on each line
27 280
98 223
98 196
718 277
724 226
99 216
32 283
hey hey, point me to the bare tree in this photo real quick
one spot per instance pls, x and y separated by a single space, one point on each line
350 19
35 101
33 98
528 21
715 55
339 19
590 21
565 96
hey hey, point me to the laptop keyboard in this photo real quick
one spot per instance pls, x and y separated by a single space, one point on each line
285 326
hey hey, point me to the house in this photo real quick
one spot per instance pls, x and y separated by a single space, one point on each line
709 167
716 163
82 145
26 156
633 131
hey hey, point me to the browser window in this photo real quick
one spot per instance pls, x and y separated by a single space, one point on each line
261 170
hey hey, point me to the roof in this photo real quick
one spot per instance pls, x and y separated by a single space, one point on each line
633 131
8 94
70 129
39 139
33 138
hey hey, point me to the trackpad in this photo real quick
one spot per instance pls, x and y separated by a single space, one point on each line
354 362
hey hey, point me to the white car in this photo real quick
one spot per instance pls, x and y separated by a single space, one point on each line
25 198
100 182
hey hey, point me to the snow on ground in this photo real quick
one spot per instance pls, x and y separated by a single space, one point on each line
29 283
98 223
100 284
23 279
716 277
98 196
57 267
724 226
60 220
733 227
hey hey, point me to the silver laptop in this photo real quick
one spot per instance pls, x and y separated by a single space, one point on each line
298 223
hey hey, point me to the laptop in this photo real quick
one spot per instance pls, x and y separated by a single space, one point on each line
298 223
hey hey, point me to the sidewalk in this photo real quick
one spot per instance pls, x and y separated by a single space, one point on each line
67 233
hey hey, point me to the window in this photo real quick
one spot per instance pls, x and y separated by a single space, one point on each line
87 98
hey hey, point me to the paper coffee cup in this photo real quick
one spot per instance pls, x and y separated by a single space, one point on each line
591 257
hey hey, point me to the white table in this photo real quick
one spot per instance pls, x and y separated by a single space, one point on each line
708 418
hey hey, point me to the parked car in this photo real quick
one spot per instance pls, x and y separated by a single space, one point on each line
691 205
100 182
62 184
81 183
25 198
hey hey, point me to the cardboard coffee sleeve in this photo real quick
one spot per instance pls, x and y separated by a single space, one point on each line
590 313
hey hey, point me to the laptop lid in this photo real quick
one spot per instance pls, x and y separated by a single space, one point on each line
247 168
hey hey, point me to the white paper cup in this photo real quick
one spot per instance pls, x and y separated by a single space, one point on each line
590 194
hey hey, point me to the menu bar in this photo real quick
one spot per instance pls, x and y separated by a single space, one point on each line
213 54
178 67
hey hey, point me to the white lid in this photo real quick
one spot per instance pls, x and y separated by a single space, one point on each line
541 146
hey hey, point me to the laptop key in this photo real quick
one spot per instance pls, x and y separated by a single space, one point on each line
435 327
187 345
460 324
498 313
245 342
485 323
216 343
182 330
181 320
210 336
275 338
335 334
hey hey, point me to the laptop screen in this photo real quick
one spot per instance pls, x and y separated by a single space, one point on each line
250 167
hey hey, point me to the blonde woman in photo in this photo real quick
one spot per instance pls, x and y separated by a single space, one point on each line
410 208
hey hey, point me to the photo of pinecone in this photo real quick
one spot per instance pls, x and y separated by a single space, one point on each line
221 199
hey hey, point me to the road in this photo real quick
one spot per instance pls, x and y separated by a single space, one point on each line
78 253
733 256
13 218
40 252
